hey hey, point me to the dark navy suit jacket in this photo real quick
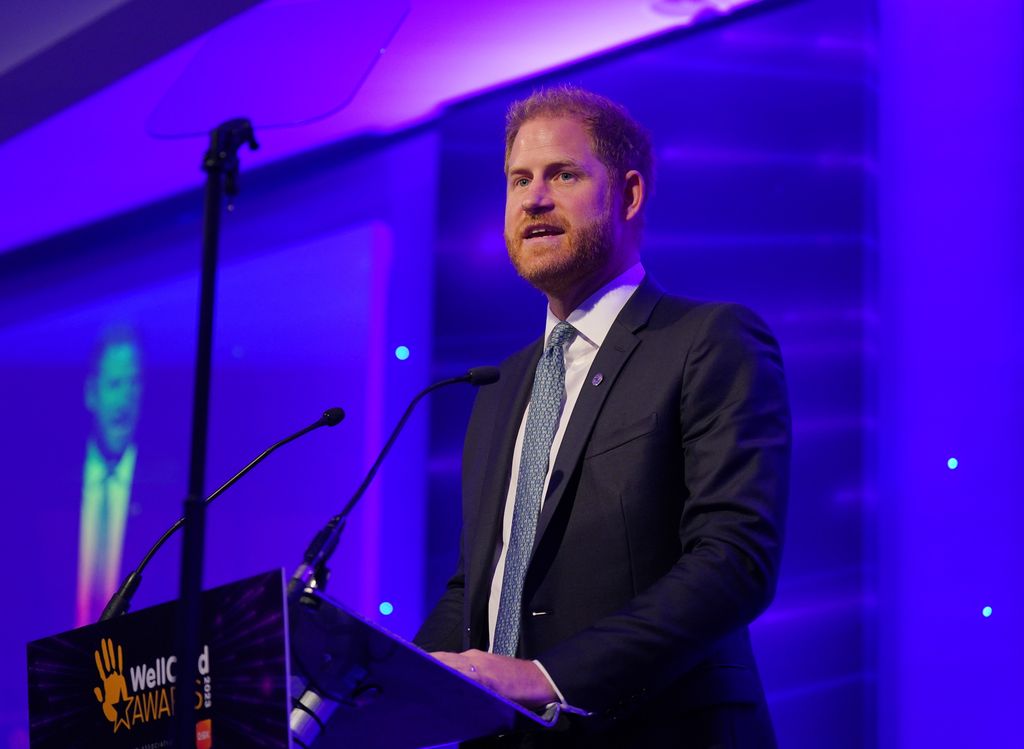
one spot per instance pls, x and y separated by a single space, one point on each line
661 532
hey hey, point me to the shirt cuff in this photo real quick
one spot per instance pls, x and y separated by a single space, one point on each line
565 706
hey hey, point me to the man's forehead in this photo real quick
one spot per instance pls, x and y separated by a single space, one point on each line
564 138
119 357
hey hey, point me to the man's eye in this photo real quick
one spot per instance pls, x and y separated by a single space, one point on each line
565 177
521 182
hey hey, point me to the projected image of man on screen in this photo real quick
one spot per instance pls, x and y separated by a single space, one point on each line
113 390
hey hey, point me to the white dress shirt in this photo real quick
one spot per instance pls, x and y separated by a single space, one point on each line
106 492
592 321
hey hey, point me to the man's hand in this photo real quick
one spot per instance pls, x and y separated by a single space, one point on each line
111 671
518 680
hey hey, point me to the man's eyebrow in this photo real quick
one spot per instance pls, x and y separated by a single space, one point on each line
554 166
564 163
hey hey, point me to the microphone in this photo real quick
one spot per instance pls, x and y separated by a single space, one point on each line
311 573
478 376
332 417
121 600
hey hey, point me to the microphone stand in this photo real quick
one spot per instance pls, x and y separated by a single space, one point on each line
120 602
313 573
221 166
315 704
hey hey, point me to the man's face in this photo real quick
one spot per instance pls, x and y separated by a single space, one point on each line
112 394
560 224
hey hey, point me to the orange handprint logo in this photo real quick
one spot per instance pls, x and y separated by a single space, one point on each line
114 693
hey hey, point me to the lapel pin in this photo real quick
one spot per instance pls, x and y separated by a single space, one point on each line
598 378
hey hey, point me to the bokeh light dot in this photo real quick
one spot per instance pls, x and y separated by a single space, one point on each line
986 612
386 608
952 463
402 353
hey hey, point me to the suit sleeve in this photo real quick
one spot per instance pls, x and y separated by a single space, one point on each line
735 437
442 629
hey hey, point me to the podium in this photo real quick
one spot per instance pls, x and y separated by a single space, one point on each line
314 675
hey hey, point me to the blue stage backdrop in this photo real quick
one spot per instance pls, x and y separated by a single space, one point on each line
951 391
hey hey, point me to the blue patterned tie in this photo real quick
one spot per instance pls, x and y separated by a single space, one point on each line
541 423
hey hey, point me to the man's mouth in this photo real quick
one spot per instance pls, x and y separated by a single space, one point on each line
535 231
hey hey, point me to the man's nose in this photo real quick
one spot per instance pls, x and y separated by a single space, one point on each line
537 199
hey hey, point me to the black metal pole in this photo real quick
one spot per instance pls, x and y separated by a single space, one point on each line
221 166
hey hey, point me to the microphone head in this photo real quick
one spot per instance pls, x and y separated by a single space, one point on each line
483 376
332 416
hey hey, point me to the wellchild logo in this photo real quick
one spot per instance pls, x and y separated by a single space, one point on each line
114 692
151 693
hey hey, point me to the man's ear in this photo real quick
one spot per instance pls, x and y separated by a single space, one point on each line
634 193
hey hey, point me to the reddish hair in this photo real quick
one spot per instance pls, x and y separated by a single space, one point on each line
619 141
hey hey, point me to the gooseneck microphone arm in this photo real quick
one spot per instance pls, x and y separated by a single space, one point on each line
311 573
121 600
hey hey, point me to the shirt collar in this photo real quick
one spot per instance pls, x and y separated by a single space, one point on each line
594 317
98 468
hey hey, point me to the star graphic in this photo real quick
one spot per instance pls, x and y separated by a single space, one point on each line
121 710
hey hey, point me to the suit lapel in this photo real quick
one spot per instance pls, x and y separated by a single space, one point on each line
610 360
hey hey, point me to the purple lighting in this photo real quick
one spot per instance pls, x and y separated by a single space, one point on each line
951 274
292 49
444 51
